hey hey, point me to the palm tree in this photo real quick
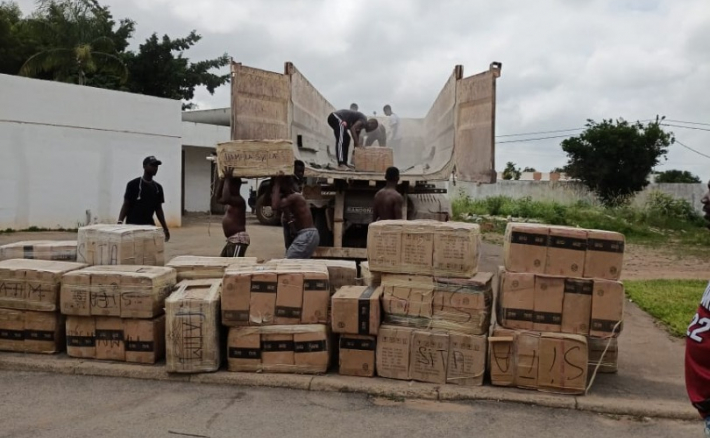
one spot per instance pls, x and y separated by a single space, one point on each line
76 33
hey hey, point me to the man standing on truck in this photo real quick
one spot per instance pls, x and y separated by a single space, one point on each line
299 170
388 201
396 135
306 238
341 122
144 197
234 221
379 135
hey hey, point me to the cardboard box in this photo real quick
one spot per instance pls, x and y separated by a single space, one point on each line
463 305
607 308
369 278
357 355
57 250
393 351
289 299
608 362
577 306
408 295
517 300
32 284
144 339
525 247
547 305
256 158
527 359
193 327
262 300
81 336
563 363
429 356
31 332
373 159
605 254
105 244
423 247
466 360
279 349
356 310
197 268
501 357
124 291
340 272
566 252
110 338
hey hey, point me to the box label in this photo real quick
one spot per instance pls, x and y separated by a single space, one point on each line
572 243
605 245
288 312
81 341
309 346
264 287
518 314
363 311
522 238
358 344
140 346
244 353
271 346
579 287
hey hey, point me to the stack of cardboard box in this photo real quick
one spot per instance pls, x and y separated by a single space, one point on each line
116 312
559 301
62 250
105 244
29 305
201 268
436 304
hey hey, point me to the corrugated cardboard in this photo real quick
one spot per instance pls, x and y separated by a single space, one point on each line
81 336
31 332
549 293
607 308
357 355
429 356
605 254
566 251
123 290
501 358
262 301
197 268
527 359
609 360
255 158
193 327
373 159
393 352
105 244
577 306
144 339
32 284
316 295
110 339
289 299
280 349
369 278
456 249
356 310
340 272
466 359
58 250
517 300
525 247
463 305
408 295
563 363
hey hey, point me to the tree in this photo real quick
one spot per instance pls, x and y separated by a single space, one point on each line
157 71
677 176
614 158
559 170
529 169
511 172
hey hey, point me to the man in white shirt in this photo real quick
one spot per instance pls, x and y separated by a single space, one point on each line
396 135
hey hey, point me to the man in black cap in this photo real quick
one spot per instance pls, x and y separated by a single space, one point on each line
144 197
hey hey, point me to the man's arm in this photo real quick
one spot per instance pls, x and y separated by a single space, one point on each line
397 206
127 196
219 190
355 132
161 218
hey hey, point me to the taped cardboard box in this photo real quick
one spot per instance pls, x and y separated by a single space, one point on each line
356 310
198 268
124 290
607 309
517 300
300 349
603 353
501 358
369 278
525 247
255 158
408 295
268 295
393 351
424 247
31 332
547 303
463 305
340 272
105 244
32 284
193 327
566 252
466 360
357 355
373 159
605 254
577 306
57 250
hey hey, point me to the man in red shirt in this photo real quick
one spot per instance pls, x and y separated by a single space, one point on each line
697 348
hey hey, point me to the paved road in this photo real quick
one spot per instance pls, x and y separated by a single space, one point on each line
48 405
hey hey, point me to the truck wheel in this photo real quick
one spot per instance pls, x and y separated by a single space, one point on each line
321 223
264 212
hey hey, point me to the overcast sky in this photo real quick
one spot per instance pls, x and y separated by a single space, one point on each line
563 61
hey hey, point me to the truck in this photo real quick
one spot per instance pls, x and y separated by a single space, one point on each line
454 141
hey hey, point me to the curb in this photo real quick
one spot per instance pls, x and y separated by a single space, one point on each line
377 387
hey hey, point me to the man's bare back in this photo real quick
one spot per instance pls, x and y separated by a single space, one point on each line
387 205
234 220
297 208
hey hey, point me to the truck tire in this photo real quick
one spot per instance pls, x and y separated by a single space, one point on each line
264 212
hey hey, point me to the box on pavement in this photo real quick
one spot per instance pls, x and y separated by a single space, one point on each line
394 345
605 255
340 272
192 335
59 250
255 158
356 310
357 355
566 252
197 268
516 300
607 308
373 159
608 361
31 332
424 247
547 303
279 349
369 278
463 305
525 247
32 284
128 291
105 244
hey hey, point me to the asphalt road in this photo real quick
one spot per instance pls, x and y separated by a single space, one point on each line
49 405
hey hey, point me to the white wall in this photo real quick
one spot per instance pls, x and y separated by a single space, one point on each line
66 150
203 135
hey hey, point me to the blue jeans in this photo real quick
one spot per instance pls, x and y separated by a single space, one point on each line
304 245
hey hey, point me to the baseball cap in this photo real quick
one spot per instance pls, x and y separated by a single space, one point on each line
152 160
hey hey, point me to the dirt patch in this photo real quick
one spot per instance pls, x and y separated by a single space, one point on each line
645 263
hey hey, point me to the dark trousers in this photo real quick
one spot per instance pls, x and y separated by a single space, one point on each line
342 138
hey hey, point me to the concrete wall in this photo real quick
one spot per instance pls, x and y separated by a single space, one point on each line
67 152
198 179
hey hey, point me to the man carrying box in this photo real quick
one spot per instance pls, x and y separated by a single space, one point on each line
234 221
294 205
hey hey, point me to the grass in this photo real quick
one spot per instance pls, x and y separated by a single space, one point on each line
673 302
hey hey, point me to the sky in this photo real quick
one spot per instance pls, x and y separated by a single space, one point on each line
564 61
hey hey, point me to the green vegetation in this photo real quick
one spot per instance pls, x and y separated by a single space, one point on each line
677 176
673 302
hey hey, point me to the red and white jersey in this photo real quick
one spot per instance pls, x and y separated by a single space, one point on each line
697 357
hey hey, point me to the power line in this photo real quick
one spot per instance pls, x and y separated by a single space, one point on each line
686 127
688 123
532 139
689 148
540 132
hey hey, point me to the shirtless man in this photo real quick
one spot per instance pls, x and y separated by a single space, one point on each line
299 170
291 202
388 201
343 121
234 221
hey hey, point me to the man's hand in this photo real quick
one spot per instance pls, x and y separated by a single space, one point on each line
229 173
167 234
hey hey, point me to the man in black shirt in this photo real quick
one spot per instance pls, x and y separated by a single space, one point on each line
144 197
343 120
